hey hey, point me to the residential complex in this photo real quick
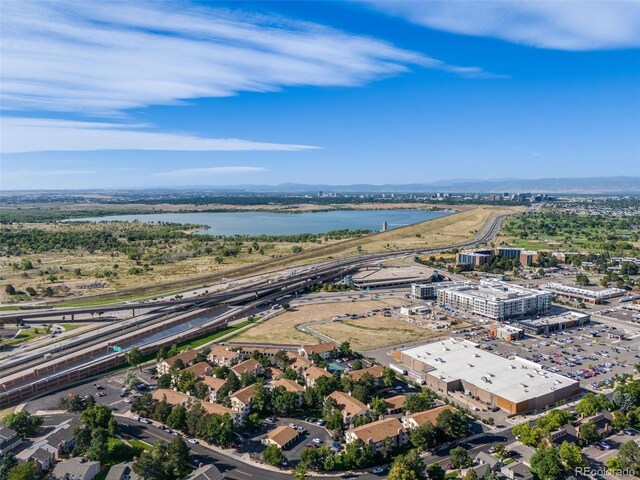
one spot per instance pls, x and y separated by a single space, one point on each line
496 300
480 257
424 291
513 384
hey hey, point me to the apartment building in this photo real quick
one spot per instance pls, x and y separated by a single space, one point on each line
496 300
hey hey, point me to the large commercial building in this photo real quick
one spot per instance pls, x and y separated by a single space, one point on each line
544 325
591 295
513 384
496 300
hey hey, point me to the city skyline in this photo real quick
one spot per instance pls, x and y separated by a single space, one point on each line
338 93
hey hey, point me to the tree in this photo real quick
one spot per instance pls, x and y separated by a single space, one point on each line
453 425
301 472
10 290
273 455
178 454
25 471
97 417
379 406
622 400
571 456
388 377
7 462
425 437
282 401
162 410
218 429
186 381
261 400
164 381
435 472
418 402
357 364
23 423
153 464
589 433
357 455
143 405
177 419
546 464
134 358
629 456
201 391
591 404
554 420
528 435
98 450
459 458
345 349
470 475
195 419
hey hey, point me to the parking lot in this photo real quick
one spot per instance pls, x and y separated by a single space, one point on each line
311 436
106 391
583 353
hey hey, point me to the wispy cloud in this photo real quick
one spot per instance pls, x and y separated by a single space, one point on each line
45 173
560 25
103 58
193 172
19 135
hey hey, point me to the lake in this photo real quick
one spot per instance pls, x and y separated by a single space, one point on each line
270 223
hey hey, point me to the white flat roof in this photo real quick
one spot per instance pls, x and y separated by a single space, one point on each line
515 379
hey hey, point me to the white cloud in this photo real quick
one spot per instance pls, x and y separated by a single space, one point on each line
102 58
38 134
560 25
193 172
45 173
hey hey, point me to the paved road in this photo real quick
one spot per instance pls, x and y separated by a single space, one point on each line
235 469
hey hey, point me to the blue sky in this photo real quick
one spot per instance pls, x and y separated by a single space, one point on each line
135 94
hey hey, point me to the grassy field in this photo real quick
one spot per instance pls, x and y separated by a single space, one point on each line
187 271
282 328
139 443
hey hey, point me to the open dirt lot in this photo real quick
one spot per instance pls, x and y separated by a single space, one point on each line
376 332
282 328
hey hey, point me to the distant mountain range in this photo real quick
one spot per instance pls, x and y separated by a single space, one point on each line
591 185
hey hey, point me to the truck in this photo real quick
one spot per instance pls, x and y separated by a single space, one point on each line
397 369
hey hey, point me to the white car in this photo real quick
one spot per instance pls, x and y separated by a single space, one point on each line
377 470
135 417
316 440
144 420
193 440
127 400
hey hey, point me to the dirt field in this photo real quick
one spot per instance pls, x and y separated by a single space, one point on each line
364 333
376 332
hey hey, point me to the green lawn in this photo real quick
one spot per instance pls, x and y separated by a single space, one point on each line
139 443
26 335
212 336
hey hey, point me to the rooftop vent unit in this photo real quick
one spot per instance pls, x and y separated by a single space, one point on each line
512 367
470 365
